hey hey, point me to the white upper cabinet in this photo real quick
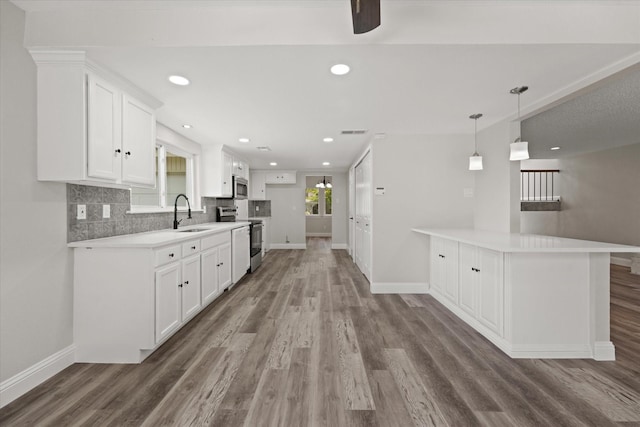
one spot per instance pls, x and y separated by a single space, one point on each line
257 185
240 168
217 172
281 177
138 156
88 120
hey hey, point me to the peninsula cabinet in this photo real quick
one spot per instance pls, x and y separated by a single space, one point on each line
532 296
93 127
131 297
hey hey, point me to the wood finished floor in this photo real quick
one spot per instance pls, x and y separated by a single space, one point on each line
302 342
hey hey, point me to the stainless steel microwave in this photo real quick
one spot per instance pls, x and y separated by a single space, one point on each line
240 188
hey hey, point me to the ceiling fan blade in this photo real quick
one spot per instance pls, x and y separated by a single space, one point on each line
365 14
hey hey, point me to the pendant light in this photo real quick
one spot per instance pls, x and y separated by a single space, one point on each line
519 149
475 161
324 183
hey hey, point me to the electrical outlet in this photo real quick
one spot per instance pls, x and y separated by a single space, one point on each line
82 212
257 208
106 211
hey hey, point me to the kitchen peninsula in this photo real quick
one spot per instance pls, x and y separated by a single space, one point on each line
532 296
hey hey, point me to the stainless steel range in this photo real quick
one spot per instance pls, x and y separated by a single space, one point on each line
228 214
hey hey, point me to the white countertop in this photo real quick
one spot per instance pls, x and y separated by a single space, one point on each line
153 239
514 242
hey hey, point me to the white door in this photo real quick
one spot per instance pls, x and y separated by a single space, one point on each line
224 268
210 265
103 127
227 172
490 286
191 301
468 278
138 143
257 186
352 212
167 300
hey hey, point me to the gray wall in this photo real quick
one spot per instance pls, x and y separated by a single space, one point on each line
600 199
424 179
35 264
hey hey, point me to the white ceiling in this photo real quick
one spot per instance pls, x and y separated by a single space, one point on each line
261 69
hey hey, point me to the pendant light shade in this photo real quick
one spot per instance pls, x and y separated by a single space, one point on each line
475 161
519 150
324 183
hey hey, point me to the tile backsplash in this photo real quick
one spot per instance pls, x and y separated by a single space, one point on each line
121 222
264 208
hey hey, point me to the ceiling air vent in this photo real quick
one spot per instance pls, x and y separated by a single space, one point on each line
265 148
354 132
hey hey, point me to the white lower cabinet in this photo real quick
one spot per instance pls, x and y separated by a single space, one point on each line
444 271
129 300
471 278
167 287
215 266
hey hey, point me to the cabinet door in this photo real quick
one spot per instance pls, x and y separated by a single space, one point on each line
468 278
210 266
258 186
191 301
138 143
103 127
490 287
227 172
224 269
450 270
437 264
167 300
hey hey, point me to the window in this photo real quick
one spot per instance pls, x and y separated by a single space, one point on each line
174 175
318 201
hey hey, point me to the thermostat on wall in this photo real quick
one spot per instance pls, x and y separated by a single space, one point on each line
379 191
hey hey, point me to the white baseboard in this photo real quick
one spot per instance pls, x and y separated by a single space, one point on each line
624 262
604 350
399 288
288 246
35 375
339 246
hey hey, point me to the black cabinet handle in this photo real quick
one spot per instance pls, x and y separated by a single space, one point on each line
186 282
171 255
441 256
128 153
180 285
222 263
118 151
193 247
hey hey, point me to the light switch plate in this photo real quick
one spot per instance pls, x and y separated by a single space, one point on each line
257 208
106 211
82 212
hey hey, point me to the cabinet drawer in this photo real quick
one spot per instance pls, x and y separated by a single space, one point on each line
190 248
168 254
215 240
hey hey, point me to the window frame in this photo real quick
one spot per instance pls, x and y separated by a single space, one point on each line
161 181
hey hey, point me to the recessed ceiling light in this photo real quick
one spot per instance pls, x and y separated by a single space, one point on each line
328 139
273 164
325 163
244 140
340 69
187 126
265 148
555 148
179 80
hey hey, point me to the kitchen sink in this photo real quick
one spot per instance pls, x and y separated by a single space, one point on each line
192 230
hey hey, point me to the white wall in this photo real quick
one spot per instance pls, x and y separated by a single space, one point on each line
35 264
497 190
424 179
600 198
